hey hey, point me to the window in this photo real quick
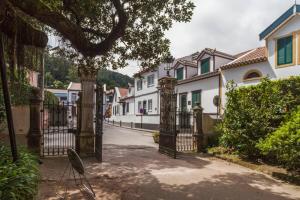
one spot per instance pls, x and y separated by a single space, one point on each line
149 105
139 106
196 98
139 84
127 107
285 50
205 66
254 74
73 97
145 106
183 102
150 80
179 74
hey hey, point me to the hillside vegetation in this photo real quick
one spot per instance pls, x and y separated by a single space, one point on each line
59 72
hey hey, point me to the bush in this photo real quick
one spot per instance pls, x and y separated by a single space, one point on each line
155 136
284 143
50 98
253 112
18 180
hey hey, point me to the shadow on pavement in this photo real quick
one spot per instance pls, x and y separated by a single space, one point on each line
137 172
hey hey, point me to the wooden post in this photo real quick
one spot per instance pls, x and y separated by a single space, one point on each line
198 117
9 117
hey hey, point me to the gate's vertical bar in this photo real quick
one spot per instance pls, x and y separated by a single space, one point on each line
58 128
53 127
99 123
63 125
42 124
48 125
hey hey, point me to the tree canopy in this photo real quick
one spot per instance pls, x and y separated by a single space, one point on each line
112 31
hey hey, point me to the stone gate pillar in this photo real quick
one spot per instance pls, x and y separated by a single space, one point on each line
35 133
87 135
167 127
198 125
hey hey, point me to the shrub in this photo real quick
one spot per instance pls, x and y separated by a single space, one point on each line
50 98
284 143
253 112
18 180
155 136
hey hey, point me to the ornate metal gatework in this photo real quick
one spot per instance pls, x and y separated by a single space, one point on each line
167 136
59 128
99 123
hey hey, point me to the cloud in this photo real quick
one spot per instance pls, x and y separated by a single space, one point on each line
229 25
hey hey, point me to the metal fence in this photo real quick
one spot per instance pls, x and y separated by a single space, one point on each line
59 128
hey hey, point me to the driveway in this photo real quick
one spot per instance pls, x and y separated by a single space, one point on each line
133 169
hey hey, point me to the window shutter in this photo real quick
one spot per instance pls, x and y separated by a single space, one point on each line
196 98
180 74
289 50
205 66
285 50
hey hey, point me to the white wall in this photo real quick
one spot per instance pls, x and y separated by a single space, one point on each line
209 89
237 75
155 103
292 26
146 89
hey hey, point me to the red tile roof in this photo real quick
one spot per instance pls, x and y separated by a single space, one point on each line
254 56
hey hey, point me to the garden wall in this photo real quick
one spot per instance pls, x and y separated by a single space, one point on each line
21 117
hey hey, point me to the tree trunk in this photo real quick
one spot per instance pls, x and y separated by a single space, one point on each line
87 113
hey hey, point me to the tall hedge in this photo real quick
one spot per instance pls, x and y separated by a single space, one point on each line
253 112
284 144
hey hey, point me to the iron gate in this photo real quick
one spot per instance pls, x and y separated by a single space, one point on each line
167 136
186 140
59 128
99 123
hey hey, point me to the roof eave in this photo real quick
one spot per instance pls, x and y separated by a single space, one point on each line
290 13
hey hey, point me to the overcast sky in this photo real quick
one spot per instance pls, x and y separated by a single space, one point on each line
231 26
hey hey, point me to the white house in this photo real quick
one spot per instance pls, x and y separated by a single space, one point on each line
280 58
202 82
73 91
61 94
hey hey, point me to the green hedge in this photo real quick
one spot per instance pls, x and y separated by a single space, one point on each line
284 143
253 112
18 181
50 98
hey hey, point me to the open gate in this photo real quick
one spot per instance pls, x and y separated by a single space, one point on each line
61 125
59 128
99 123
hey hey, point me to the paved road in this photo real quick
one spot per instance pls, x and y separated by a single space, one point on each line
132 169
126 137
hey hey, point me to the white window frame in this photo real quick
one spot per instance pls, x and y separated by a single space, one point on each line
150 102
150 77
139 86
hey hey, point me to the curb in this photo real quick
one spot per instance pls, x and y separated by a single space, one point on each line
280 176
136 129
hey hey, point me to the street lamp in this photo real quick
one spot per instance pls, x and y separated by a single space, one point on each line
169 60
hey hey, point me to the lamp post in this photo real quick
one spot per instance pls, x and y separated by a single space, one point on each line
169 60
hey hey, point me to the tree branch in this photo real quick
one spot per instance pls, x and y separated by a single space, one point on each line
71 31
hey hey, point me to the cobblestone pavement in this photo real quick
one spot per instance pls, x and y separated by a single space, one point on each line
133 169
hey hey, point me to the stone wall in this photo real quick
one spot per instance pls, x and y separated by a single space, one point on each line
21 116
